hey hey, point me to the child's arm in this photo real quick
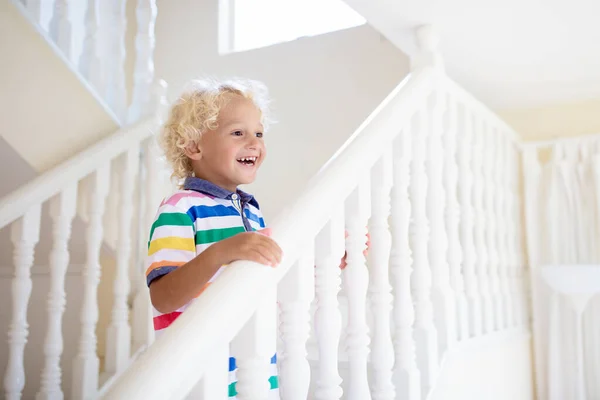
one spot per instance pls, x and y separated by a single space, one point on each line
172 291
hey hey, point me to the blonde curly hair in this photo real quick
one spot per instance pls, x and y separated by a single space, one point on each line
196 111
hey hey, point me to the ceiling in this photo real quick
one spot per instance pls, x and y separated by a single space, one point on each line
511 54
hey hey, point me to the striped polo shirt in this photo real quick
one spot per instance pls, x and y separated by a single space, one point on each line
187 223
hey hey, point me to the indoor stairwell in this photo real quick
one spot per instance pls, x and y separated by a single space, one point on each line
435 287
433 174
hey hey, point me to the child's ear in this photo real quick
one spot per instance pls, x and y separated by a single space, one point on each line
193 151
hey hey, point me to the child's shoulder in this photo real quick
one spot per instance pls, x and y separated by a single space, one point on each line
183 200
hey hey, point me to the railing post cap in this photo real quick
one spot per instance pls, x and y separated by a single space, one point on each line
428 53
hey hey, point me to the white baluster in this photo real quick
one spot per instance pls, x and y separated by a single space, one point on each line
454 254
380 296
60 27
86 363
490 152
143 76
92 55
118 336
34 7
253 349
296 292
154 177
425 332
532 173
116 94
329 249
498 169
406 372
25 233
356 284
504 231
517 261
142 328
214 383
62 209
512 267
480 227
442 293
467 222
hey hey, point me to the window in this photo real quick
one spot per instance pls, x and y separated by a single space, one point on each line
250 24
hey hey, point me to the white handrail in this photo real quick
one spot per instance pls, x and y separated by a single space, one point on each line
79 166
230 301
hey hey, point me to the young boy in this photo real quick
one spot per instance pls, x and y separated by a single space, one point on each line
213 140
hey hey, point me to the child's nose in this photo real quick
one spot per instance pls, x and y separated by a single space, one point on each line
253 142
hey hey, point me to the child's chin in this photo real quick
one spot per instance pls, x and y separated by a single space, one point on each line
247 179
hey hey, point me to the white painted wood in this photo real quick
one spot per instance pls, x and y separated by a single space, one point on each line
25 234
532 174
155 175
467 223
86 364
115 90
380 296
60 27
406 372
424 331
52 182
143 76
356 284
329 249
62 209
482 270
442 295
214 383
490 153
504 253
498 170
512 267
91 61
454 255
238 287
253 348
296 291
118 336
516 243
150 194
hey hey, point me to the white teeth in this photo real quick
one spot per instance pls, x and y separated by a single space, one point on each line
253 159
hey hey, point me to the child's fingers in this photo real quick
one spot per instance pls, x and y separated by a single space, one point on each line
265 231
271 251
274 248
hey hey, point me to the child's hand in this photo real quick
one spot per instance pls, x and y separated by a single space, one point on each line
251 246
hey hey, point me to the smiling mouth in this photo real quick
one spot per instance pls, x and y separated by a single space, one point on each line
249 161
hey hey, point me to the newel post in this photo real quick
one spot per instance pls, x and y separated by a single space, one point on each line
428 54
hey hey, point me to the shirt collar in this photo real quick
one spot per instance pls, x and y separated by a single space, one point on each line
209 188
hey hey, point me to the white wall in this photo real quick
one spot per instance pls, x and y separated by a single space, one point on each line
323 87
495 367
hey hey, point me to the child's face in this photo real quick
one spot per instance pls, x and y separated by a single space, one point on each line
231 155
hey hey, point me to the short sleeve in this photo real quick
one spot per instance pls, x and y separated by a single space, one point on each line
171 243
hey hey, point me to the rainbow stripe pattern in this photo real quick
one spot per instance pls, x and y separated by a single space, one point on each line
186 224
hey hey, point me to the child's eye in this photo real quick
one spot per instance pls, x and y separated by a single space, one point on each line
259 134
237 133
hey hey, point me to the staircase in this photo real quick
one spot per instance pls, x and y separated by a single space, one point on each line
432 174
